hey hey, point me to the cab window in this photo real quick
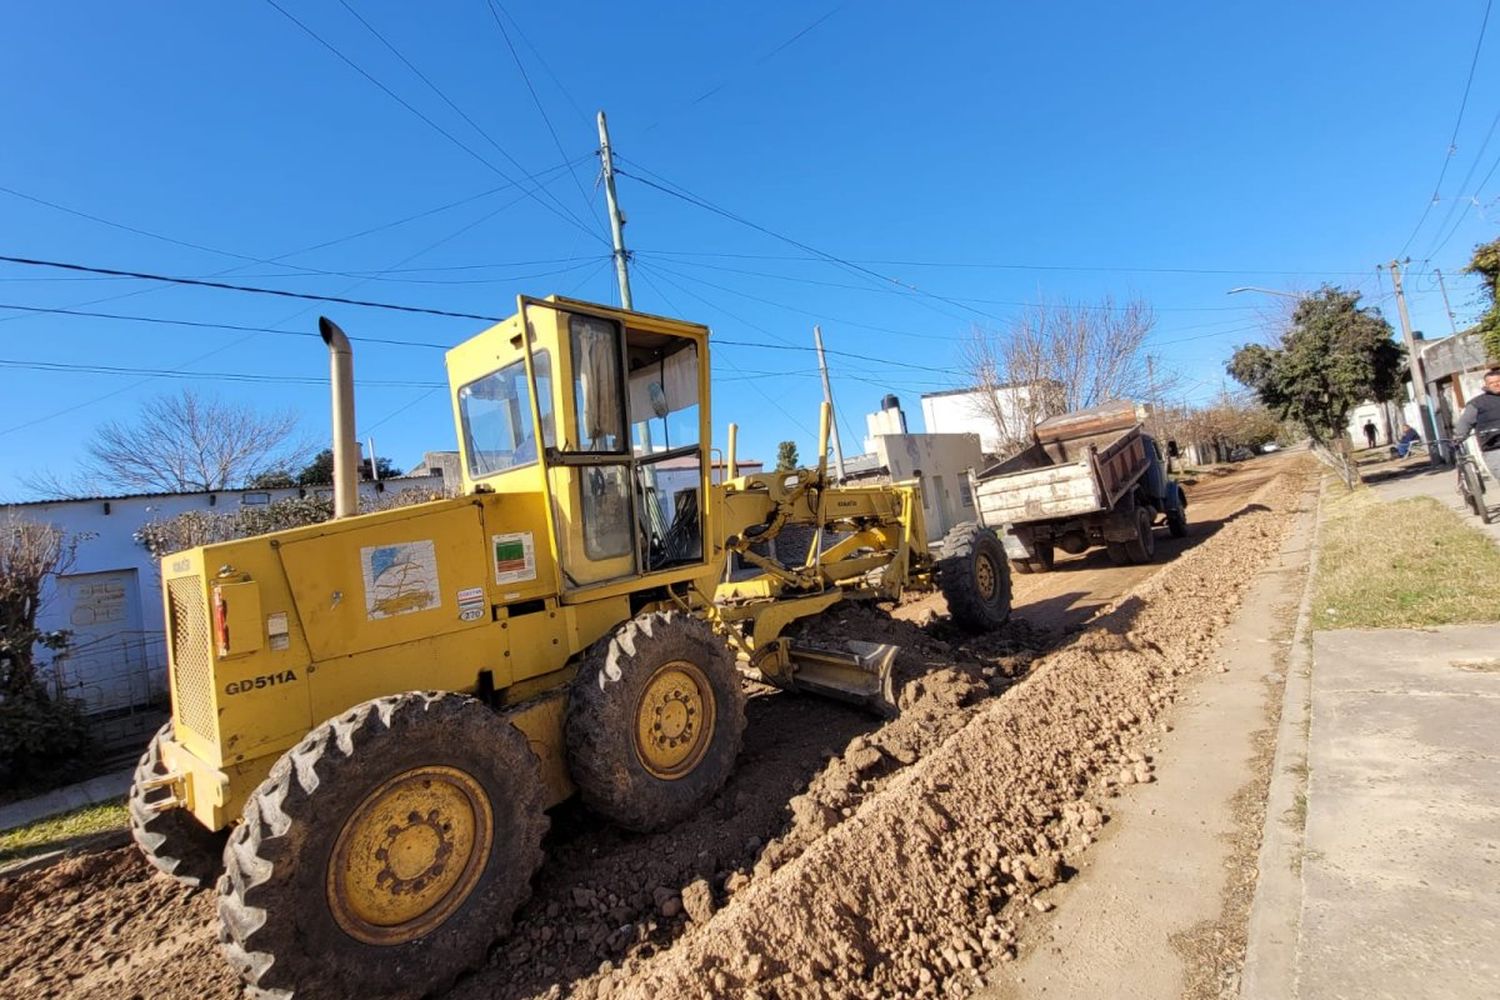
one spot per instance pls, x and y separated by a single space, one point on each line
496 415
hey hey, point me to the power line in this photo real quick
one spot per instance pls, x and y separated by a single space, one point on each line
891 291
559 212
60 366
1010 266
516 57
759 61
1453 139
684 195
253 289
200 325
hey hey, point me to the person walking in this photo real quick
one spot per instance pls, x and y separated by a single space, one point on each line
1369 433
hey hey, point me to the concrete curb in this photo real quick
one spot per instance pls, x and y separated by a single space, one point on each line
54 803
1270 971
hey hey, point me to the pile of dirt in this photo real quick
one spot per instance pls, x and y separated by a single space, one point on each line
911 880
846 856
101 926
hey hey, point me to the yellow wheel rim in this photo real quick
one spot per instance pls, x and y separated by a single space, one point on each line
674 720
410 854
985 577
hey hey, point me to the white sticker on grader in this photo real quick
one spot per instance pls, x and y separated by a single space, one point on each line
515 557
400 579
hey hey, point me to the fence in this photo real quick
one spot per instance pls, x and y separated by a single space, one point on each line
120 681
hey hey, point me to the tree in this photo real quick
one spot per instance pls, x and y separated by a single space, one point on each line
36 730
188 443
319 472
1334 356
275 479
1486 264
1061 356
786 456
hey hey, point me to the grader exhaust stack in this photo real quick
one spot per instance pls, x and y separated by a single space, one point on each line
345 447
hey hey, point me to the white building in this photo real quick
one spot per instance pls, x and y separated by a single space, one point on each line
965 411
111 600
939 462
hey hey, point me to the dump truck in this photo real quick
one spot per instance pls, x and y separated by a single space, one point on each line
1089 478
371 715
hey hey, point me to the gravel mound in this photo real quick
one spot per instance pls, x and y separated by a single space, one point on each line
910 881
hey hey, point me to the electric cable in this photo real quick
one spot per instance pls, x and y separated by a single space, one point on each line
560 213
1453 139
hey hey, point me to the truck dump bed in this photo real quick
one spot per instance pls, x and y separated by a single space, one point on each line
1080 463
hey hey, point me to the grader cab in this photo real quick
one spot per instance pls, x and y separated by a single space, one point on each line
371 715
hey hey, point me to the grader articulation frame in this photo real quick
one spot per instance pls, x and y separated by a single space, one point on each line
380 708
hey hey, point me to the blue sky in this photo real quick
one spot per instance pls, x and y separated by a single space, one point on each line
985 154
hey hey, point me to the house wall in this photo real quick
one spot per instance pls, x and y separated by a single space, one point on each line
941 462
964 413
111 598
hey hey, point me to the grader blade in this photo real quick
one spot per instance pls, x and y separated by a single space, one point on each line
859 674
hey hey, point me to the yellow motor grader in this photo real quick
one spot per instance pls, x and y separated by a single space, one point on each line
380 708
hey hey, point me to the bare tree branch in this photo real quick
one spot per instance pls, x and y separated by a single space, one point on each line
185 443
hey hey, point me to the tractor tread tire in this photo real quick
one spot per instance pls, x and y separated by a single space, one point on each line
173 842
276 928
961 550
601 721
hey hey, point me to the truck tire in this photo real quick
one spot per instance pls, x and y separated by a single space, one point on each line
1177 522
655 720
384 853
173 842
974 576
1142 547
1042 562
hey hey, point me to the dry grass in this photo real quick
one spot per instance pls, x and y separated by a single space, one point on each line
62 831
1408 564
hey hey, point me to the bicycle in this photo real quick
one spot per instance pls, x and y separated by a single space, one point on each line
1475 476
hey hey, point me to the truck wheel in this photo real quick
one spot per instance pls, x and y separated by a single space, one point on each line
1118 552
1042 562
173 841
384 853
655 719
1142 547
974 577
1177 522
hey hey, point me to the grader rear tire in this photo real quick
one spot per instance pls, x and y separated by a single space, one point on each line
974 576
173 841
384 853
656 715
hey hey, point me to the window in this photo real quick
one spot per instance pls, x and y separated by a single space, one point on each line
496 416
596 385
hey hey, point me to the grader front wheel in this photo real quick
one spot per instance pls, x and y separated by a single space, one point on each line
974 576
172 841
655 719
384 853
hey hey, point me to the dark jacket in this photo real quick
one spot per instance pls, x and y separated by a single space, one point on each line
1482 412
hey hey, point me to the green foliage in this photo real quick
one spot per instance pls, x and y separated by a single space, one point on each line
319 472
1335 356
43 740
1486 264
786 456
276 479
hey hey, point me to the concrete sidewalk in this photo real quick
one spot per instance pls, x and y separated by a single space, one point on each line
1442 485
54 803
1400 871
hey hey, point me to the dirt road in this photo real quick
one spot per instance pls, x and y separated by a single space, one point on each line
622 914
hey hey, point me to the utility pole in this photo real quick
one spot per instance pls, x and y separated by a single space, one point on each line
616 217
1414 360
1452 320
838 451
